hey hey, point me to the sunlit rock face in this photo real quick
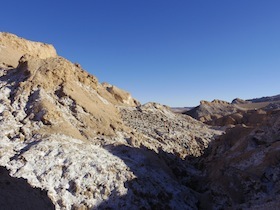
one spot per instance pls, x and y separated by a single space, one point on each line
13 47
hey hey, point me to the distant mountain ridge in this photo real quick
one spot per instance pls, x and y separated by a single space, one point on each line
265 99
208 112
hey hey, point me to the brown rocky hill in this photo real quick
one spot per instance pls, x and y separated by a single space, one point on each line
72 143
208 111
241 168
239 111
90 145
53 89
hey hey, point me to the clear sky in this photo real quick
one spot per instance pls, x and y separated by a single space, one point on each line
175 52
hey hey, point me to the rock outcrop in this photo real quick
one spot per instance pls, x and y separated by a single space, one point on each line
208 111
120 96
239 101
12 48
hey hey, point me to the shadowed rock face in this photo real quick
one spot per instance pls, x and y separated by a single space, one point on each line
16 193
242 167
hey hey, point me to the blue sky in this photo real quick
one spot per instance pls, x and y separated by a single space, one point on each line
175 52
